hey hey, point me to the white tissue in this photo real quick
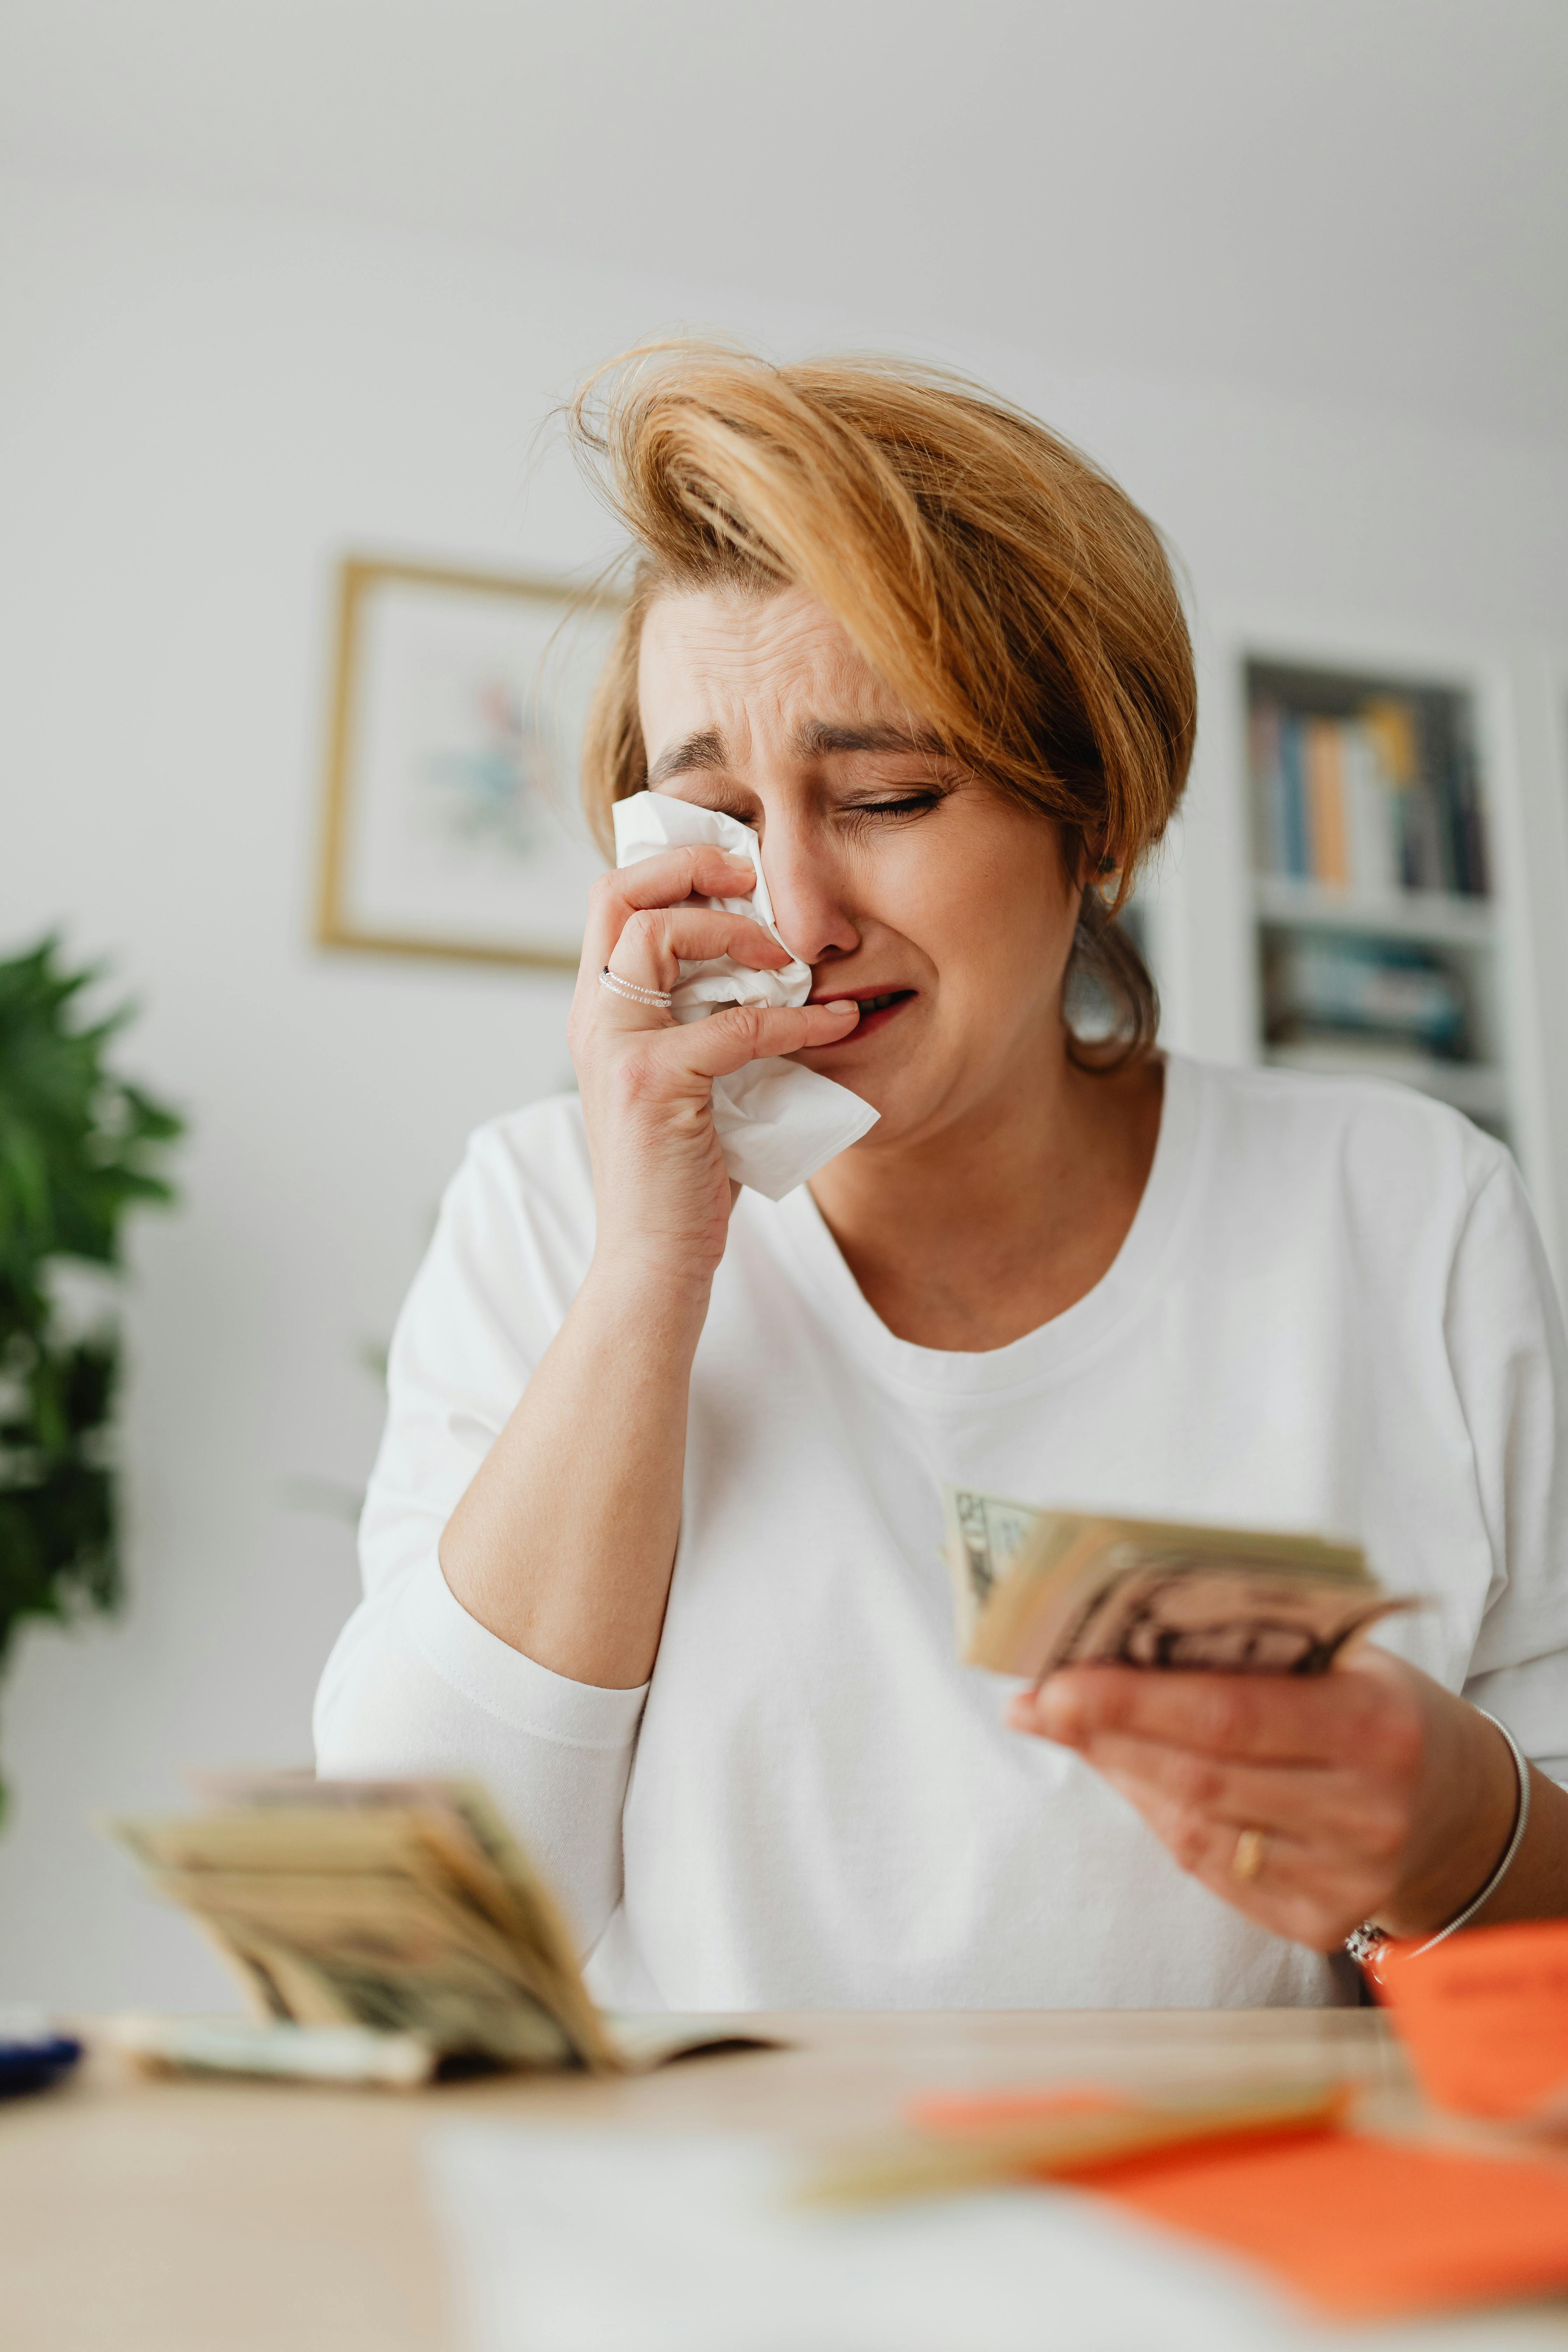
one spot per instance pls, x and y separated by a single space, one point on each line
778 1122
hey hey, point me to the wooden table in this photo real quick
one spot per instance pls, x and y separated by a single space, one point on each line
143 2216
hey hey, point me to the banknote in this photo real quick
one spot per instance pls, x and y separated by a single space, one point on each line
407 1908
444 1838
456 2006
378 1917
1035 1589
276 2048
984 1535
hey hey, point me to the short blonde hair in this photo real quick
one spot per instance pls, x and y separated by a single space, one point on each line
1004 588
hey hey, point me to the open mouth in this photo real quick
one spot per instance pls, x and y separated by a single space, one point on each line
876 1010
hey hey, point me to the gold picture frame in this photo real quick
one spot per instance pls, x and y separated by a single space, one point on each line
450 826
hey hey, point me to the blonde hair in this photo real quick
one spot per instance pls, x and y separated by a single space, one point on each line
1004 588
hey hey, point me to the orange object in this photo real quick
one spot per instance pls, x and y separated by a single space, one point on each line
1365 2228
1064 2140
1360 2228
1327 832
1484 2016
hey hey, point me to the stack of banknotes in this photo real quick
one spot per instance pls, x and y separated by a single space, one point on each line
406 1907
1035 1589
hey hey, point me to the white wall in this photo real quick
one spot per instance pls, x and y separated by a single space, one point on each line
1312 196
198 410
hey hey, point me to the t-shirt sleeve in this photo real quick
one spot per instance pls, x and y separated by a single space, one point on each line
415 1685
1510 1359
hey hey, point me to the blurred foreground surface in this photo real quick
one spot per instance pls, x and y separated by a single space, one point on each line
216 2218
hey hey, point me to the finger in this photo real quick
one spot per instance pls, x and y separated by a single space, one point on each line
1292 1886
1207 1845
1335 1809
1277 1719
655 941
727 1041
700 872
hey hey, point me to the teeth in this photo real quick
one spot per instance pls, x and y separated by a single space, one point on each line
877 1003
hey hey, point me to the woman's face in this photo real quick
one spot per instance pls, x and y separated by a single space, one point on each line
895 874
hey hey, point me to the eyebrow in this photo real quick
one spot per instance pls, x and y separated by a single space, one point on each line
693 752
819 739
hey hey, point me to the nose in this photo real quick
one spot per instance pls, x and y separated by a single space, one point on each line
805 886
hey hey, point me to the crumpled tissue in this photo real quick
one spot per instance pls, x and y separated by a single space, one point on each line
777 1121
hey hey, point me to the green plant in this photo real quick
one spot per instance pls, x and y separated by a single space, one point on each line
79 1147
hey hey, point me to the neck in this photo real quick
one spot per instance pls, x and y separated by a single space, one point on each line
968 1235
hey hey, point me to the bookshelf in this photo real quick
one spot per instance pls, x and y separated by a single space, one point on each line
1416 930
1372 904
1409 914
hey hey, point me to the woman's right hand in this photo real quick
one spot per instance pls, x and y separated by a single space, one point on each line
662 1190
565 1540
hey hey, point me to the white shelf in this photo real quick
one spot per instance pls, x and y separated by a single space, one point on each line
1212 916
1439 915
1477 1088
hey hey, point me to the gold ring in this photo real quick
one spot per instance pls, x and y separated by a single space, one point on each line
1247 1859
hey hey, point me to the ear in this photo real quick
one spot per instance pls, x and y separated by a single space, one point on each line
1083 854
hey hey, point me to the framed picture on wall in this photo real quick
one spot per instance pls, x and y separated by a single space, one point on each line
452 825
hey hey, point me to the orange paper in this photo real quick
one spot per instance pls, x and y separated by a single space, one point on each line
1365 2228
1361 2228
1484 2016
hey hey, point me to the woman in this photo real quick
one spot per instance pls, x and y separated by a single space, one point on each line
652 1544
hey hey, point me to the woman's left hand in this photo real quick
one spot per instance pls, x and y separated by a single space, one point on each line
1377 1793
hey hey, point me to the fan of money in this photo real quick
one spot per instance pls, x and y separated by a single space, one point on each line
1035 1589
403 1907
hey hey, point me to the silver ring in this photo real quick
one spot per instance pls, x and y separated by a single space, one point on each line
660 999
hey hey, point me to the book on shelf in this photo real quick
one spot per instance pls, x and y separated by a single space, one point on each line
1378 801
1317 984
1327 829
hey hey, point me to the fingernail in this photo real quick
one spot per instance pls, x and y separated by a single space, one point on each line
843 1004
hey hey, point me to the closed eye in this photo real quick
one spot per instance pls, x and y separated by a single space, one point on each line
908 804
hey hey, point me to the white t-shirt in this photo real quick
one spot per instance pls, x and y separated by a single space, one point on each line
1331 1312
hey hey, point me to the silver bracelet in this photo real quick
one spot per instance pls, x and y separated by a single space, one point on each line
634 992
1362 1942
